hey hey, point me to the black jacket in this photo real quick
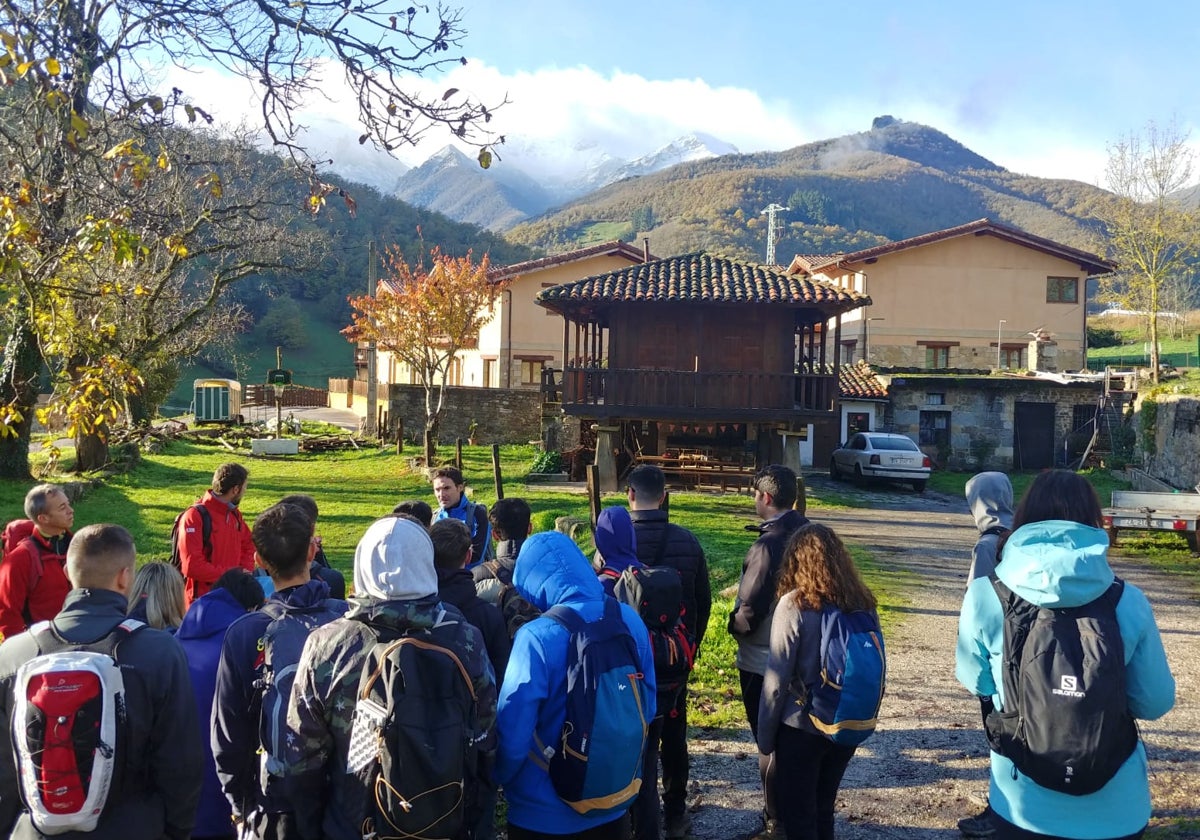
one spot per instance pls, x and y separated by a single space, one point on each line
682 553
457 587
506 559
163 763
750 623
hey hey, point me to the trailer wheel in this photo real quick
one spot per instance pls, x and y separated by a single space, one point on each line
1192 542
1112 537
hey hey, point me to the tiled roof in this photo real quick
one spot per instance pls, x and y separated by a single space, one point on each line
613 248
858 382
700 278
1093 264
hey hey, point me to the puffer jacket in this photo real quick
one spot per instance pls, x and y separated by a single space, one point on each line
1065 564
164 762
200 635
681 553
550 571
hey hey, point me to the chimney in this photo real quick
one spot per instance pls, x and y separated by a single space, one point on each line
645 249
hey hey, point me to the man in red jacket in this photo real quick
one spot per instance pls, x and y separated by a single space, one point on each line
33 578
228 545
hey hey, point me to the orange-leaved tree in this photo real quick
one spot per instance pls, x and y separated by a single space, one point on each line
424 317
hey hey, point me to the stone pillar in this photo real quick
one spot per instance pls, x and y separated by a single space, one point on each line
791 450
1043 353
608 440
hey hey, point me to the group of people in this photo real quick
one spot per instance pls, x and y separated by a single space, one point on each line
250 715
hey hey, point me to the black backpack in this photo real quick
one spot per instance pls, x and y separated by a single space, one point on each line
1067 725
516 610
205 534
656 592
412 742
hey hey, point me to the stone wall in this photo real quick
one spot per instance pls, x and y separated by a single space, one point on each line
504 415
1174 454
981 414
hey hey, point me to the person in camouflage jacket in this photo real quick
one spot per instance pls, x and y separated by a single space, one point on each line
396 586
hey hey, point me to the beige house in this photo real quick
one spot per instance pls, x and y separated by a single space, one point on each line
523 338
979 296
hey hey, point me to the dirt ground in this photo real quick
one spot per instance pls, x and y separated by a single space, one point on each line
914 777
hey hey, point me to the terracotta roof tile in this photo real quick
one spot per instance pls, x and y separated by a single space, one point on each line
700 278
1093 264
613 248
858 381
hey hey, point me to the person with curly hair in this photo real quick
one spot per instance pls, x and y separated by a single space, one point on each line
817 574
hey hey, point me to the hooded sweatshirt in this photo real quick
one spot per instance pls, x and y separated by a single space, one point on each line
393 566
990 497
1065 564
200 635
550 570
616 543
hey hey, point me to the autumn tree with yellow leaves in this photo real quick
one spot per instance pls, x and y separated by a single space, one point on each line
125 218
424 317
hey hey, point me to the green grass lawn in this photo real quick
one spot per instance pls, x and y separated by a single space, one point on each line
954 483
354 488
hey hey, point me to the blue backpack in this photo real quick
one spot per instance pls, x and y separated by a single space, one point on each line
844 705
596 768
283 641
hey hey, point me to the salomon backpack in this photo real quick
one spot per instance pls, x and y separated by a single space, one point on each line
282 640
844 705
176 559
1066 722
412 741
596 764
656 592
69 728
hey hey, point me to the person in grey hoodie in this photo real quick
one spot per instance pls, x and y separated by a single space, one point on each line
990 497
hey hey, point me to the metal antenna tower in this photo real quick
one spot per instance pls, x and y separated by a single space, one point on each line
772 229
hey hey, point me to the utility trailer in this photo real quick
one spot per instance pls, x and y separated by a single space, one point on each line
1149 511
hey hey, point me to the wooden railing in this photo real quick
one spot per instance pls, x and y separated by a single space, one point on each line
613 391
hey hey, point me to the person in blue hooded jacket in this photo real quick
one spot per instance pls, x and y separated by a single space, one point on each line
235 593
1056 556
551 570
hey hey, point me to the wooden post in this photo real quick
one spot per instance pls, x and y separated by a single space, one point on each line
593 491
801 503
665 507
399 437
458 453
496 477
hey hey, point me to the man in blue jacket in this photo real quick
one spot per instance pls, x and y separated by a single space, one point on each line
550 571
450 490
251 655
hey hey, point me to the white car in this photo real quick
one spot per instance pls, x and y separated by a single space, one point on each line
881 455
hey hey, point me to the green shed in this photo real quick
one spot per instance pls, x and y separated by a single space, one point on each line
217 401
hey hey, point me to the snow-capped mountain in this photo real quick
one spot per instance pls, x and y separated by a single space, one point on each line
686 149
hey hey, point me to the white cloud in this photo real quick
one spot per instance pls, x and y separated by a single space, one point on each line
558 120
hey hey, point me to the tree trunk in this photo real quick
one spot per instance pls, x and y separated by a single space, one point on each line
91 452
430 448
141 411
1154 333
18 388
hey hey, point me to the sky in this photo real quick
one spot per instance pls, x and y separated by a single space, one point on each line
1040 87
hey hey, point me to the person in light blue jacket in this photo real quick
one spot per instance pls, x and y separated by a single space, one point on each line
1057 557
551 570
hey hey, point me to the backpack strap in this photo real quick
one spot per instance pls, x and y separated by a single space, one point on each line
47 639
608 571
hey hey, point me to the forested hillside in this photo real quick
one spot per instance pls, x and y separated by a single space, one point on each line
897 180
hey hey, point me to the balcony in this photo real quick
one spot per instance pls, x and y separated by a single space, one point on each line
675 394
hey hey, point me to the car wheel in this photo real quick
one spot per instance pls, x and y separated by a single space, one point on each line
833 470
859 478
919 485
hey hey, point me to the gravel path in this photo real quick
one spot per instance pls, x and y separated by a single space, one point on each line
913 779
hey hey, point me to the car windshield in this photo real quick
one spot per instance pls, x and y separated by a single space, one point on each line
901 444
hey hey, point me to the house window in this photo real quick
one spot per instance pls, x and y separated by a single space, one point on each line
531 371
848 348
1010 358
937 356
935 428
858 421
935 398
1062 290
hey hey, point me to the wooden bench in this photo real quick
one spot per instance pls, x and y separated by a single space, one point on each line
693 471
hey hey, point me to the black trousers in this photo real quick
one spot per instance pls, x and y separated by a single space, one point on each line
808 772
752 685
618 829
643 814
674 754
1007 831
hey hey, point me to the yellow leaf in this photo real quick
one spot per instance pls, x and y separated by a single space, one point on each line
191 113
164 162
485 158
53 67
80 126
23 67
156 104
